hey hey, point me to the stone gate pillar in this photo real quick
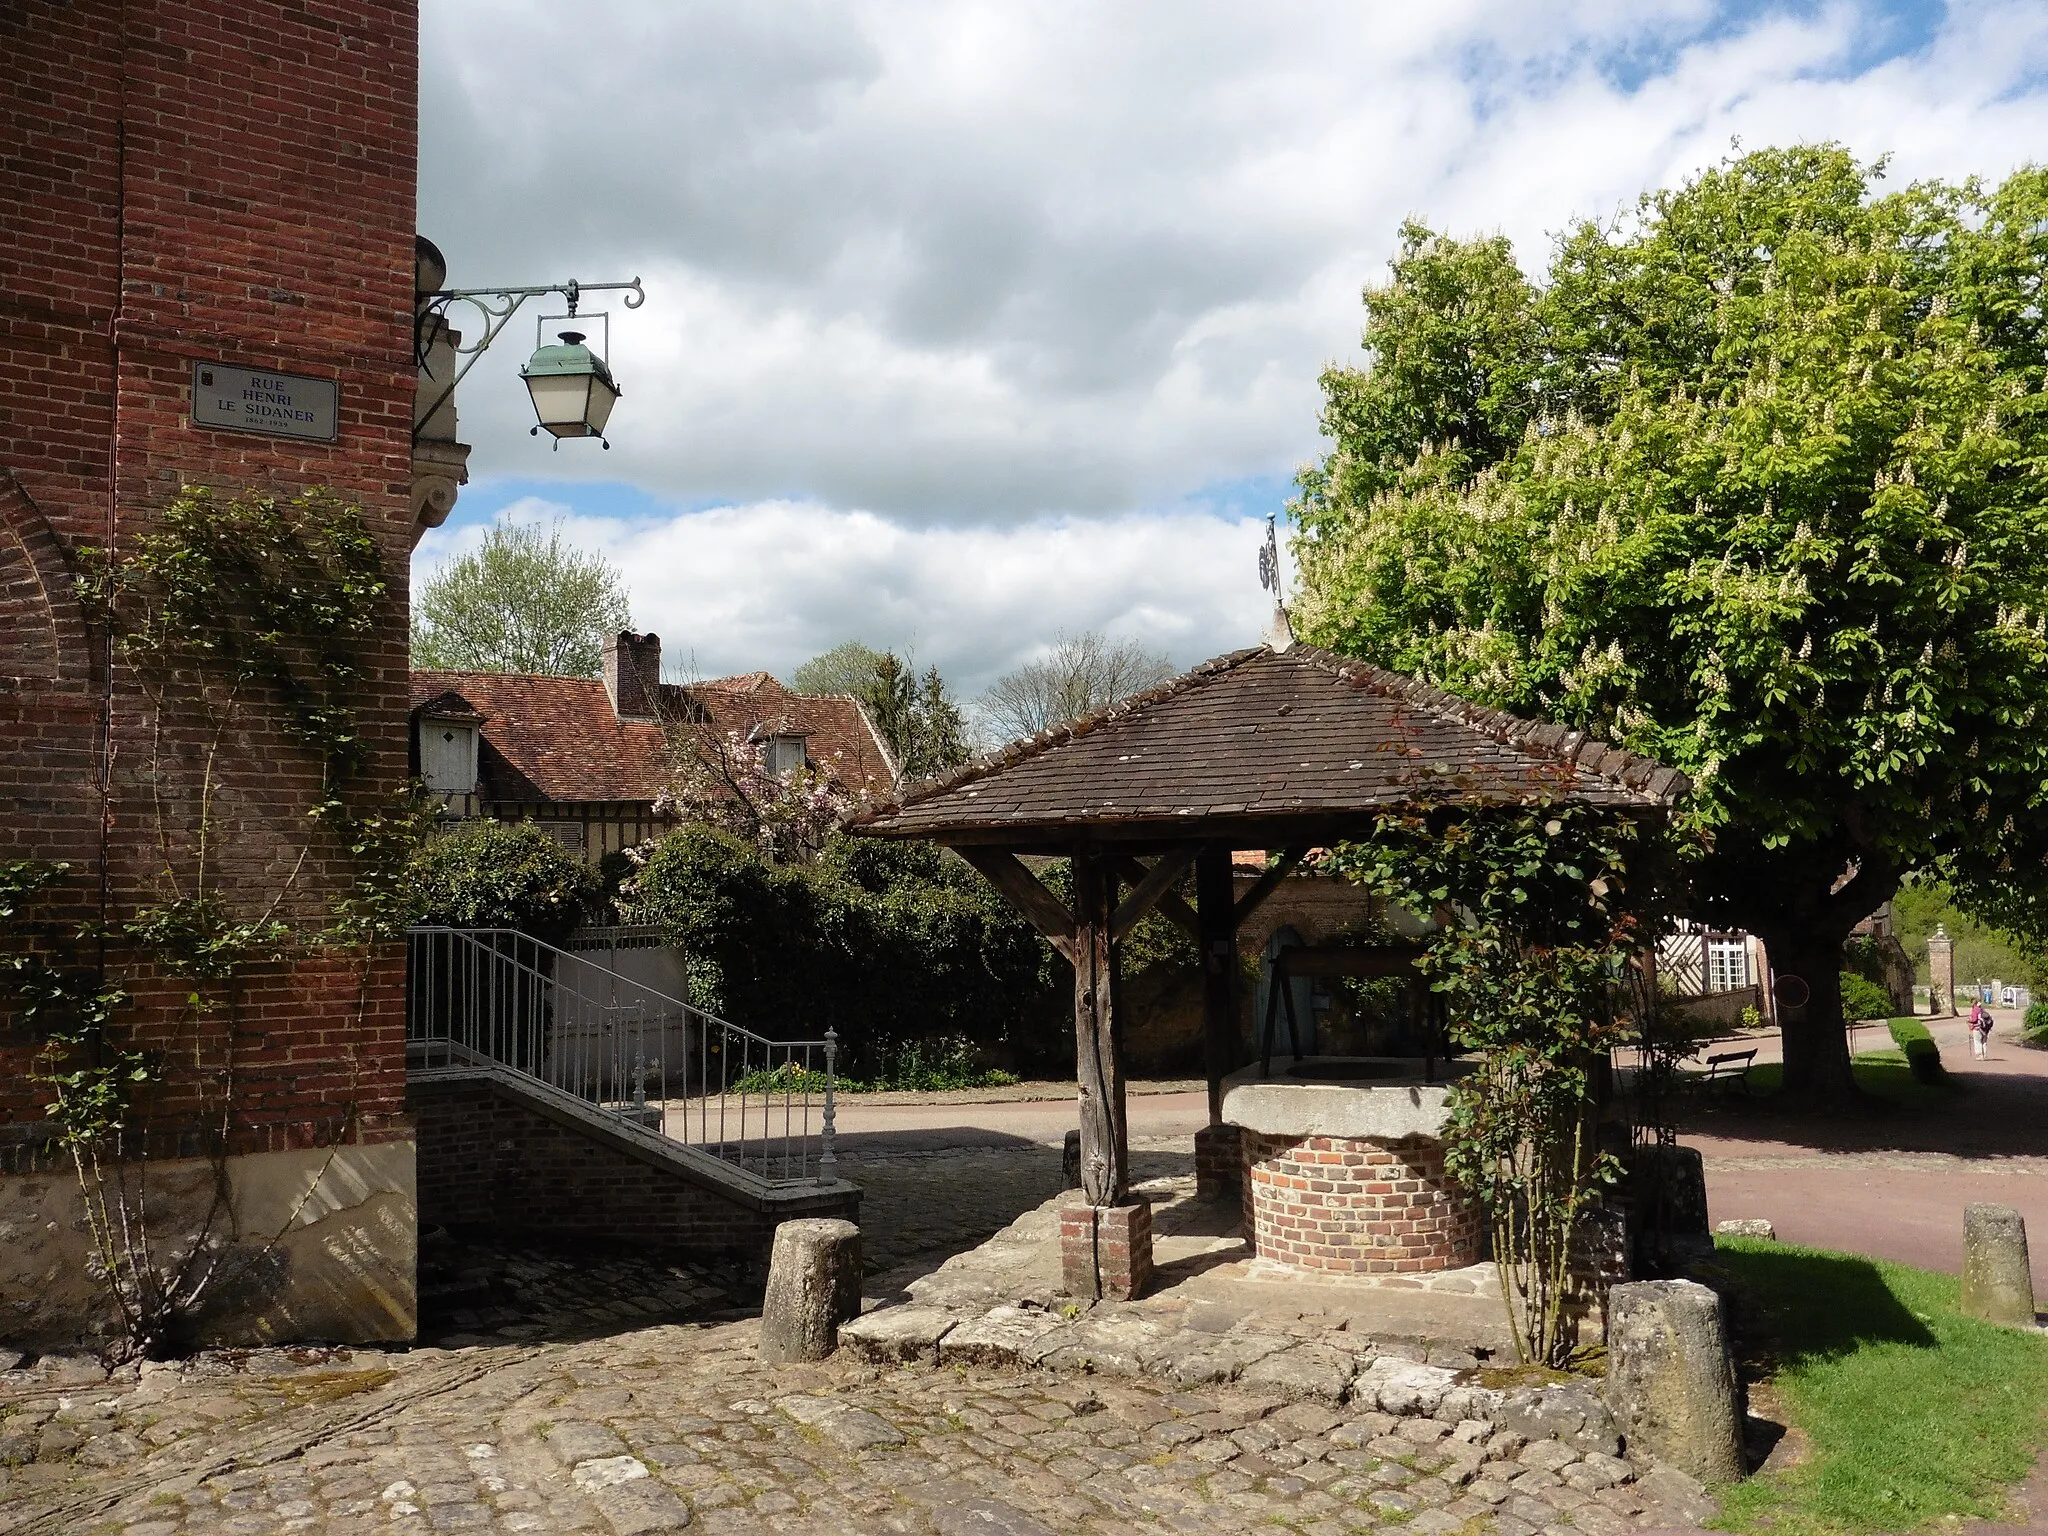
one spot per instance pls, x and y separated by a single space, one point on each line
1941 972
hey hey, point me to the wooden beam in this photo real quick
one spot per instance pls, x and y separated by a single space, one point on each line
1151 885
1169 906
1216 933
1098 1044
1181 915
1267 884
1027 893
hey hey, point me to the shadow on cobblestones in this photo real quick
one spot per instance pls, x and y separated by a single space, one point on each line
477 1289
921 1204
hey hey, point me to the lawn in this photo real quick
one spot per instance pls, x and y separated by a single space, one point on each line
1909 1410
1881 1074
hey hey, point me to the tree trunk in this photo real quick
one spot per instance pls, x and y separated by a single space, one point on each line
1815 1035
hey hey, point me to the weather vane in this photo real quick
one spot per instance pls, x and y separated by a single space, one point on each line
1269 562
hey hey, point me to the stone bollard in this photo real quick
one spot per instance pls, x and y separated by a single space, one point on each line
1667 1206
814 1277
1670 1382
1998 1282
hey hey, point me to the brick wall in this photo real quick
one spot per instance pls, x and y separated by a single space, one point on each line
489 1158
1356 1207
188 181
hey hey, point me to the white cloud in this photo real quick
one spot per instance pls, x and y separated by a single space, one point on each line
770 584
997 273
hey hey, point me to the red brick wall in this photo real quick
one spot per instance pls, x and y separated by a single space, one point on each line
1356 1207
487 1160
184 181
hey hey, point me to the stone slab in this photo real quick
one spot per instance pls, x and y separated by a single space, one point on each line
1305 1371
1002 1336
1284 1106
898 1335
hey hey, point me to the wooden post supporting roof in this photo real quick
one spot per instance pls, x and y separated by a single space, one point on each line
1098 1035
1216 918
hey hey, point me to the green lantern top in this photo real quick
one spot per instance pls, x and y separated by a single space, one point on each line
568 359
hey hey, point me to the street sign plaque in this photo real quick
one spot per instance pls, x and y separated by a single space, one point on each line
258 400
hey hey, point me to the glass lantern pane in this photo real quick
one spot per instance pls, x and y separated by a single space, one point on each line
602 398
558 401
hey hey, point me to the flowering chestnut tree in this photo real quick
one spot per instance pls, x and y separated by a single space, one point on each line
1754 483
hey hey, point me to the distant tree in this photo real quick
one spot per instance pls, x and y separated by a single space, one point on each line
1752 484
847 668
524 602
917 716
1079 675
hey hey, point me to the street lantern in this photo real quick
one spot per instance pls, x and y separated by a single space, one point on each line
572 386
573 391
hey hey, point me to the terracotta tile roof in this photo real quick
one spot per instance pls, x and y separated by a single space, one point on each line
557 738
1259 739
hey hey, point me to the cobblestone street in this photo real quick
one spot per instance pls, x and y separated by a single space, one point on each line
565 1393
656 1428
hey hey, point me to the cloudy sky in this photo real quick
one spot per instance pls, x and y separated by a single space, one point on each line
968 323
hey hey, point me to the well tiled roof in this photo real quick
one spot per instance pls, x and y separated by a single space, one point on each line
557 739
1263 738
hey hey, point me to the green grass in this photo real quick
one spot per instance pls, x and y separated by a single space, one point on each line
1881 1074
1910 1410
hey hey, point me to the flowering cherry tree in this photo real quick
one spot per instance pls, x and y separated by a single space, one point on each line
721 779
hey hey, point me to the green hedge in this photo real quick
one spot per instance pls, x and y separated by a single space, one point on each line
900 947
1922 1054
493 874
2034 1028
1863 998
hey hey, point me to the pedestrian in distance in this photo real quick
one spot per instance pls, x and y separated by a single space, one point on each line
1980 1030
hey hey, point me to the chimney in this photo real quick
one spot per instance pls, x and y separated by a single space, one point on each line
632 674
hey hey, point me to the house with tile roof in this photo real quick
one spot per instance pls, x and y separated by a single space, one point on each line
592 760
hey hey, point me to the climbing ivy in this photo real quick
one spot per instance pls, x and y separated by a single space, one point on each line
233 613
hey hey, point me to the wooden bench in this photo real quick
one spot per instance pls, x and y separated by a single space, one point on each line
1730 1067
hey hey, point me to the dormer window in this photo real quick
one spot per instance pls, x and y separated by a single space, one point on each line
448 756
783 754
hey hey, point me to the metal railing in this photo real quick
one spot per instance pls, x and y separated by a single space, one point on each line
563 1019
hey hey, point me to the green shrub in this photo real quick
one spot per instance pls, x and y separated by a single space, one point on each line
918 1066
492 874
1923 1056
2035 1026
1862 998
894 946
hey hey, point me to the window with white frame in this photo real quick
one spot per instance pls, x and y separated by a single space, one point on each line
783 754
1727 964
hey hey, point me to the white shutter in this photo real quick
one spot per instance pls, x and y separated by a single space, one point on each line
448 757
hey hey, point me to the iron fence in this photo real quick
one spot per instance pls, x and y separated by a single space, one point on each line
563 1019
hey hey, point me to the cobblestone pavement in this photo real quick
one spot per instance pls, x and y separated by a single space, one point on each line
663 1427
620 1394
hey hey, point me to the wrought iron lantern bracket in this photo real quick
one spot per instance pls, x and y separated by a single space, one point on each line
497 306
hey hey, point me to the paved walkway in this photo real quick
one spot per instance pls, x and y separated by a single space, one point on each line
1893 1183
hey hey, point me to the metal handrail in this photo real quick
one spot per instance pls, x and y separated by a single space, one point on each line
560 1019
